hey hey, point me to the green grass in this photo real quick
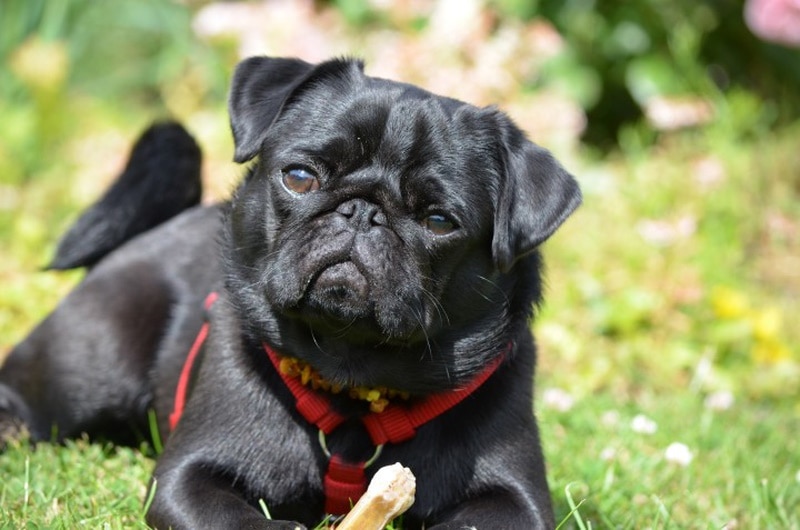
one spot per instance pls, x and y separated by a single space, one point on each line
75 485
676 283
744 469
741 468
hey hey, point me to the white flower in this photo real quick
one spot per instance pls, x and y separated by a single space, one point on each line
608 454
708 171
671 113
722 400
663 233
557 399
610 418
678 453
643 425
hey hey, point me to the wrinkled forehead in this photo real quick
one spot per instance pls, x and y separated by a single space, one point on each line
396 123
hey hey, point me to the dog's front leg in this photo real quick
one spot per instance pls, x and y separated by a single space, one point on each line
195 497
499 511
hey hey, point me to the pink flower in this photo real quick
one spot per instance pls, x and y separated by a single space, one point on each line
557 399
774 20
664 233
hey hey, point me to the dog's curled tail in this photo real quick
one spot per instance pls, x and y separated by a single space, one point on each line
160 180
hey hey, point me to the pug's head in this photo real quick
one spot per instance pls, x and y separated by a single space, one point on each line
383 233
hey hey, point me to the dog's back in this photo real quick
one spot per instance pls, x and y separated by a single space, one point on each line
141 298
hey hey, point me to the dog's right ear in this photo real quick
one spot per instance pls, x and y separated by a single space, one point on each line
263 86
259 90
536 196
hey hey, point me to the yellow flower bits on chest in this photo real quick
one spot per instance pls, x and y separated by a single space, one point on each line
377 397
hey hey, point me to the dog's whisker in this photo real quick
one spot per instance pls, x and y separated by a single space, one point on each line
437 305
316 342
342 332
496 288
420 320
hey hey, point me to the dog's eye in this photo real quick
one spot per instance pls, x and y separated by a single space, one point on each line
300 180
439 224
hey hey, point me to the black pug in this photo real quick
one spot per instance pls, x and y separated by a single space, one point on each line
372 282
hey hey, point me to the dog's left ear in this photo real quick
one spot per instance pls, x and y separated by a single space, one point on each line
536 196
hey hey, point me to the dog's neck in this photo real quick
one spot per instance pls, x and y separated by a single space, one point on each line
377 397
394 422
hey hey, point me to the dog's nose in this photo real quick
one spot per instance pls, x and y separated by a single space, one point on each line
362 214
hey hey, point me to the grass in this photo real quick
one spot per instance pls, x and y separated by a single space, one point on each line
743 470
672 295
76 485
739 473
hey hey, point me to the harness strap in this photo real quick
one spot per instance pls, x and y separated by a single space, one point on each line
313 406
398 423
182 390
344 482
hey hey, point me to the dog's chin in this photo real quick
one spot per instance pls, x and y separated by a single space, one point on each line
341 293
340 301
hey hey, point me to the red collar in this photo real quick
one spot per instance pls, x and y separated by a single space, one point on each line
397 423
345 482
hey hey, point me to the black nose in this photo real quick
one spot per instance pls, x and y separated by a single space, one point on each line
362 214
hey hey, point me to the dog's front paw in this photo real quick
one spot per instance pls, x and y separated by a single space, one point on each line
13 414
285 525
11 429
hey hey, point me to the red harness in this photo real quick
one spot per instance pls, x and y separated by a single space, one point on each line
344 482
182 390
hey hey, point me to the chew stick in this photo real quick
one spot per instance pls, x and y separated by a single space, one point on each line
390 493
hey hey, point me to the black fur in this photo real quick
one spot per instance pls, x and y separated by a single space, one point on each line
161 179
412 266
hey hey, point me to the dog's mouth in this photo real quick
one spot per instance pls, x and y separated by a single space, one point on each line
350 302
340 301
340 291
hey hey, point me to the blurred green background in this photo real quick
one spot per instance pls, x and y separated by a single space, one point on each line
674 293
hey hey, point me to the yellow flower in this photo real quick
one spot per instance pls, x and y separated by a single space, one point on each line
378 397
358 392
770 351
728 303
305 375
767 324
379 405
41 65
289 366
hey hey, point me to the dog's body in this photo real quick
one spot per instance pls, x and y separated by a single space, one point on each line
386 237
